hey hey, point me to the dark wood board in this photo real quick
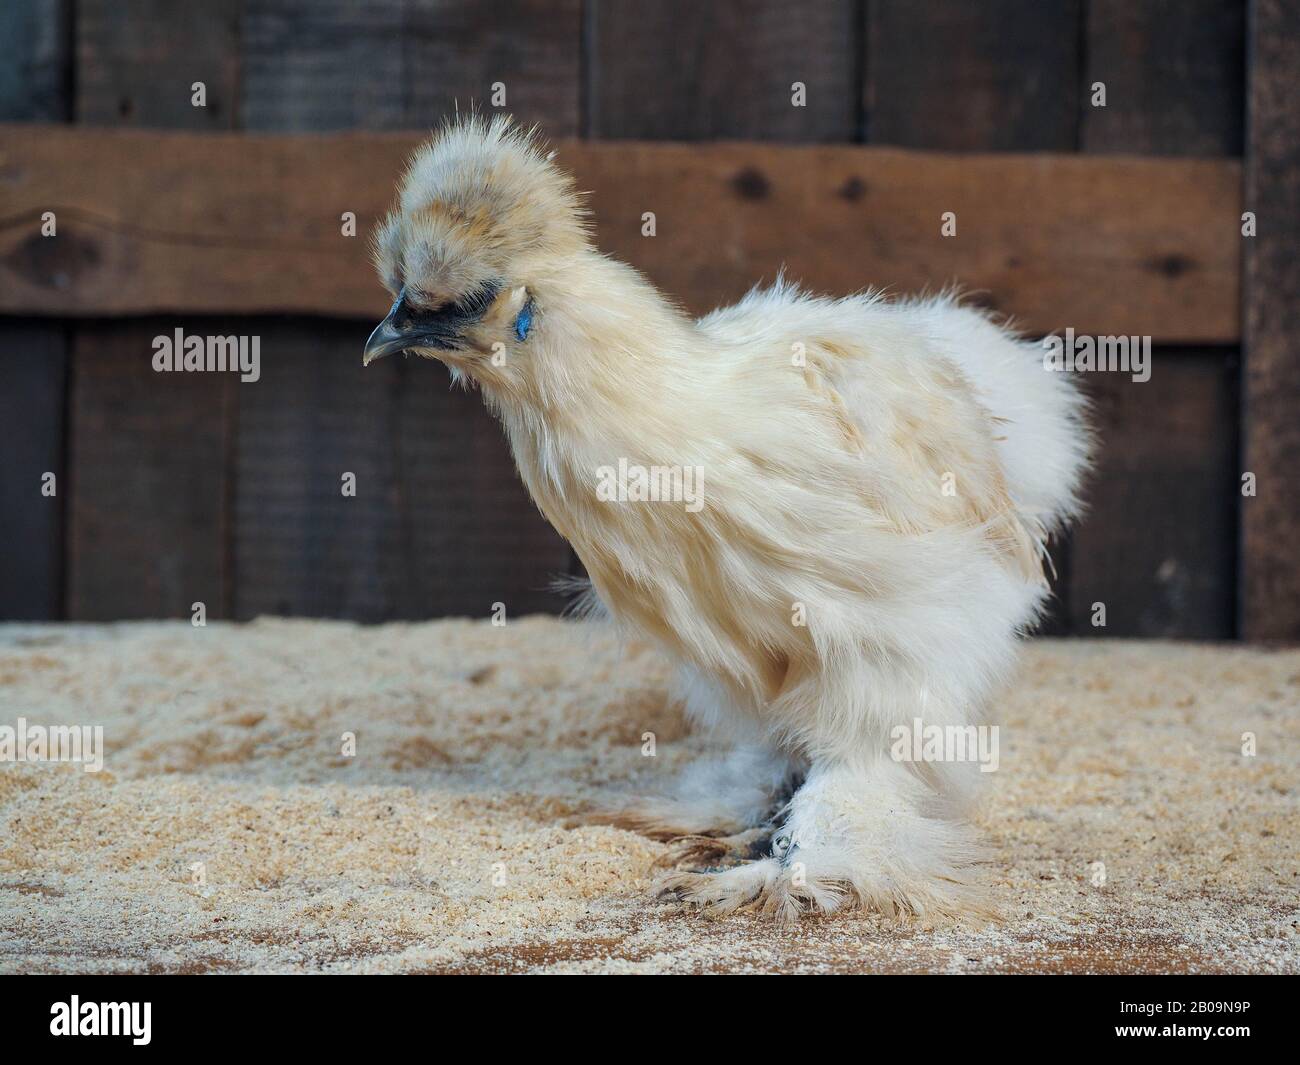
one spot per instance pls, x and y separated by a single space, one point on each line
35 61
398 64
149 473
1270 590
300 546
35 77
33 369
137 62
998 75
682 70
1158 542
1174 78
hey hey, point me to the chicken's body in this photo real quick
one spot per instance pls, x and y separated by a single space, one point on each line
877 479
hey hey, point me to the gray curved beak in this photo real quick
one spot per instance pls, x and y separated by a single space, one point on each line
409 325
387 337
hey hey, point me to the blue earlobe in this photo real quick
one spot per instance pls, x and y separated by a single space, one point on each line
524 322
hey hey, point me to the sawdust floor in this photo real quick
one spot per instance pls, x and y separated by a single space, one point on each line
229 833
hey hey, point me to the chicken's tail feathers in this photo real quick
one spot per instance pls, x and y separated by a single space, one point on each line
1041 418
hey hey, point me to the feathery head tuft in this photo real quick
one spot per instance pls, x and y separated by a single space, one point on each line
480 203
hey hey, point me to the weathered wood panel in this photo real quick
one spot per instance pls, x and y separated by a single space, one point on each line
1173 73
301 546
398 64
35 64
1158 543
32 375
682 70
34 83
148 465
1108 245
988 76
137 63
439 523
1270 593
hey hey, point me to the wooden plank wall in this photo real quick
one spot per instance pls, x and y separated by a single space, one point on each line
201 490
440 524
198 490
35 78
260 525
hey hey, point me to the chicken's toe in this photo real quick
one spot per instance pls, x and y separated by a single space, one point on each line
724 891
706 852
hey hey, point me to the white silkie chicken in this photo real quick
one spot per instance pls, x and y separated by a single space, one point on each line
876 481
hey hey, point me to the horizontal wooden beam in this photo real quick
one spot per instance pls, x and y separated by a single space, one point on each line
179 222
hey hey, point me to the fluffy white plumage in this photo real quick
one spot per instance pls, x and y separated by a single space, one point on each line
879 478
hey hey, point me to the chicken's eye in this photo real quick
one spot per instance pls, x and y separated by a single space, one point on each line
524 322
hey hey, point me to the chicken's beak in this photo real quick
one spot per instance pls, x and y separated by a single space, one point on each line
387 336
404 328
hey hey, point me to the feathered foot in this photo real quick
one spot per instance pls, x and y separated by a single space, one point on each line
850 841
717 893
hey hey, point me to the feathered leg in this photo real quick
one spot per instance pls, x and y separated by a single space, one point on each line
863 830
853 836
